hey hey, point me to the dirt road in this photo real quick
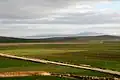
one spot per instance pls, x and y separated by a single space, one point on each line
62 64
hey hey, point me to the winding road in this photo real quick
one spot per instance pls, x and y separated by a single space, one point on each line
62 64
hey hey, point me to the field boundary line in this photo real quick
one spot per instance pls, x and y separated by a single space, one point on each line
62 64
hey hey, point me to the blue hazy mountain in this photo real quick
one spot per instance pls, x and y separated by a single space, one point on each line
64 35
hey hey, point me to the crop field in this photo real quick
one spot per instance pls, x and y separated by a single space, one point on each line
101 55
36 78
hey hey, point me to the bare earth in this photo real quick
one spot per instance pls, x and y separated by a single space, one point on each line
24 73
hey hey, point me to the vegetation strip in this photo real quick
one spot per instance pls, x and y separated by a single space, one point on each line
62 64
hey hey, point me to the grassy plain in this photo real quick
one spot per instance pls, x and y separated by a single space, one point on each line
102 55
11 65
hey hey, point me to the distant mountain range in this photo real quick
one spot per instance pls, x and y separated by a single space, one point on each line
63 35
82 37
90 34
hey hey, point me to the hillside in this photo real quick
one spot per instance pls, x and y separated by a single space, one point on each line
59 39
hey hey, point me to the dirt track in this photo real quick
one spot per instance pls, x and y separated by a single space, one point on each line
62 64
24 73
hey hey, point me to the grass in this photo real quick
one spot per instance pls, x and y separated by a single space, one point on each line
36 78
10 65
106 55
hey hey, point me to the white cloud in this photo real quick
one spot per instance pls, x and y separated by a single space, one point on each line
46 29
83 6
105 2
76 8
30 17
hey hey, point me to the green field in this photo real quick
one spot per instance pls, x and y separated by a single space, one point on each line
10 65
36 78
105 55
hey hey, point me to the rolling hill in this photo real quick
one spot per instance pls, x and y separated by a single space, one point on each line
59 39
63 35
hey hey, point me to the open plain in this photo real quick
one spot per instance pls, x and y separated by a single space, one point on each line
98 55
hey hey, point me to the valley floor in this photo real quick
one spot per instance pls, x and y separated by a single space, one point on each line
104 56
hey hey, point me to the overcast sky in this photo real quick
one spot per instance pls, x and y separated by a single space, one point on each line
42 17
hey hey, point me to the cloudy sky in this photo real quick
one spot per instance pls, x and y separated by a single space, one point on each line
43 17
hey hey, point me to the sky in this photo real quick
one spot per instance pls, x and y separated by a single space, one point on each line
44 17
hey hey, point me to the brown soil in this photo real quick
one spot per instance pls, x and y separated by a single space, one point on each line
24 73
